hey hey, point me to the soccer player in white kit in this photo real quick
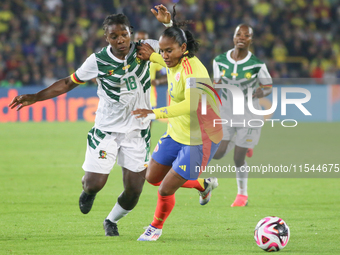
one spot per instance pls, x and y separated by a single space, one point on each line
239 67
123 86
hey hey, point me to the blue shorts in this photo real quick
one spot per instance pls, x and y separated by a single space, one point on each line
186 160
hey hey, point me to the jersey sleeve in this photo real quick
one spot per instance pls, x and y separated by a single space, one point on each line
264 77
157 58
87 71
189 104
216 72
153 43
154 67
153 70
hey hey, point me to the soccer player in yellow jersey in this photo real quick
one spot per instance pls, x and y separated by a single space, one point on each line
191 139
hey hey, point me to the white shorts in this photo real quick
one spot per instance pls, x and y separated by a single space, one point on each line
245 137
131 150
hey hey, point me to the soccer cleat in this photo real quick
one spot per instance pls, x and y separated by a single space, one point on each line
240 200
86 202
209 184
110 228
150 234
249 153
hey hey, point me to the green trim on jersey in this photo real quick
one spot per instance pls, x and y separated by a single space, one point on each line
140 68
147 86
102 55
246 73
112 73
107 90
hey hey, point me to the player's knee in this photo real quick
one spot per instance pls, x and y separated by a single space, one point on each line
164 191
152 179
155 183
92 186
148 177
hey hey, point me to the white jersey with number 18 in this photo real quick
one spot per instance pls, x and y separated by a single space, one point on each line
123 86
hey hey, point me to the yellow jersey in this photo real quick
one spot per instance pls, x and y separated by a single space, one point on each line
154 67
187 123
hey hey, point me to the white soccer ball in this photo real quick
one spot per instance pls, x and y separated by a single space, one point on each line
271 233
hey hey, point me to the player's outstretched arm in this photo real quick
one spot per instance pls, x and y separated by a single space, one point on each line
141 113
162 14
259 92
59 87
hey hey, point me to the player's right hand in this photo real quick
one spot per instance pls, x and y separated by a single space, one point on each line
144 51
21 101
162 14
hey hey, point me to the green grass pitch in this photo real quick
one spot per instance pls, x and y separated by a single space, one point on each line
40 183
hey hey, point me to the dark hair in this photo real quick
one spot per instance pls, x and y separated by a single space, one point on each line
116 19
246 25
181 36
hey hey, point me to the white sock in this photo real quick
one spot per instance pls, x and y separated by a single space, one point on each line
117 213
242 180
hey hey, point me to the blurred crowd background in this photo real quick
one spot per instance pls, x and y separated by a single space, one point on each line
45 40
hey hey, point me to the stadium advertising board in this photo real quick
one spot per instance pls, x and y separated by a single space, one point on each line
81 104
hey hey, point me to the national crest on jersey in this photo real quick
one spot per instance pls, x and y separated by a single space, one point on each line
177 76
248 75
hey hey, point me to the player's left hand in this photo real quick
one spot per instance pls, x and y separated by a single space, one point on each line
144 51
258 93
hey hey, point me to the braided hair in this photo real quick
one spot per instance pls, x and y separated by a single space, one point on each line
117 19
181 36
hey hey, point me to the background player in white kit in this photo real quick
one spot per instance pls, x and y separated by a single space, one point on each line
239 67
123 86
